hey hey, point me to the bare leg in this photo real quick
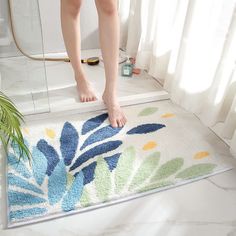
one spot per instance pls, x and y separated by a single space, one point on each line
70 23
109 40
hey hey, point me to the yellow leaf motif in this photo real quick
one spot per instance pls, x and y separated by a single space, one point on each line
168 115
50 133
201 155
149 145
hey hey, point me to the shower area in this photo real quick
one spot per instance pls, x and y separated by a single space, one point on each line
41 86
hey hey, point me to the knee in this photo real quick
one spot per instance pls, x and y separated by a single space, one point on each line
72 6
108 7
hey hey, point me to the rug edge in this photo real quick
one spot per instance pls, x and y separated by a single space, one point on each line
111 203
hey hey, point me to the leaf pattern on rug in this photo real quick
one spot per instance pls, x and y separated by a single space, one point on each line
168 115
50 153
196 170
69 142
18 166
88 172
17 198
145 170
57 183
69 180
148 111
85 199
95 151
26 213
102 180
167 169
150 145
104 168
73 195
50 133
156 185
39 165
16 150
201 155
101 135
93 123
124 168
112 161
22 183
146 128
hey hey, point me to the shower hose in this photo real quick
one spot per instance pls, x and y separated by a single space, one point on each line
10 7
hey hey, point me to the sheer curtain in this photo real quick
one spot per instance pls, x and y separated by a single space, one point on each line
190 46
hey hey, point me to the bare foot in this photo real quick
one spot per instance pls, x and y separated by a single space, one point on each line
116 115
86 92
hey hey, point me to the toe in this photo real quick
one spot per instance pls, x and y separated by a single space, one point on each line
119 122
124 120
114 123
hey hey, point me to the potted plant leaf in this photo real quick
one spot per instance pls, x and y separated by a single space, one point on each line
10 123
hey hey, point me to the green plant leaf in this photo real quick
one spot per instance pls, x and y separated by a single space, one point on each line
10 123
148 111
196 170
102 179
145 170
124 168
167 169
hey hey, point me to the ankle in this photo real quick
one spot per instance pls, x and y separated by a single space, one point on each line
111 92
80 78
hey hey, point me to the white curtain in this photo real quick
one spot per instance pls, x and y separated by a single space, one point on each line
190 46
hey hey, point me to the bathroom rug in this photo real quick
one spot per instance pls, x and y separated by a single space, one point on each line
81 163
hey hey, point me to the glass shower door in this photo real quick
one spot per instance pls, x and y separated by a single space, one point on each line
22 77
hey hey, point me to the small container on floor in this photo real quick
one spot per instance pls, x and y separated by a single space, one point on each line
127 69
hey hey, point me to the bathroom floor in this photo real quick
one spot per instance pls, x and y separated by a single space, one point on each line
205 207
26 84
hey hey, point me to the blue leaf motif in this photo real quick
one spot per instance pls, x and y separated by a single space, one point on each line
19 182
16 198
112 161
88 172
69 142
57 183
50 153
101 134
22 214
74 194
93 123
18 166
16 149
39 165
146 128
97 150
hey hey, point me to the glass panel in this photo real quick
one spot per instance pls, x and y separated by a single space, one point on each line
22 78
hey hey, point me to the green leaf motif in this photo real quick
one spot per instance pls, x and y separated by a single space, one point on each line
168 169
85 199
156 185
102 179
145 170
148 111
196 170
124 168
70 179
